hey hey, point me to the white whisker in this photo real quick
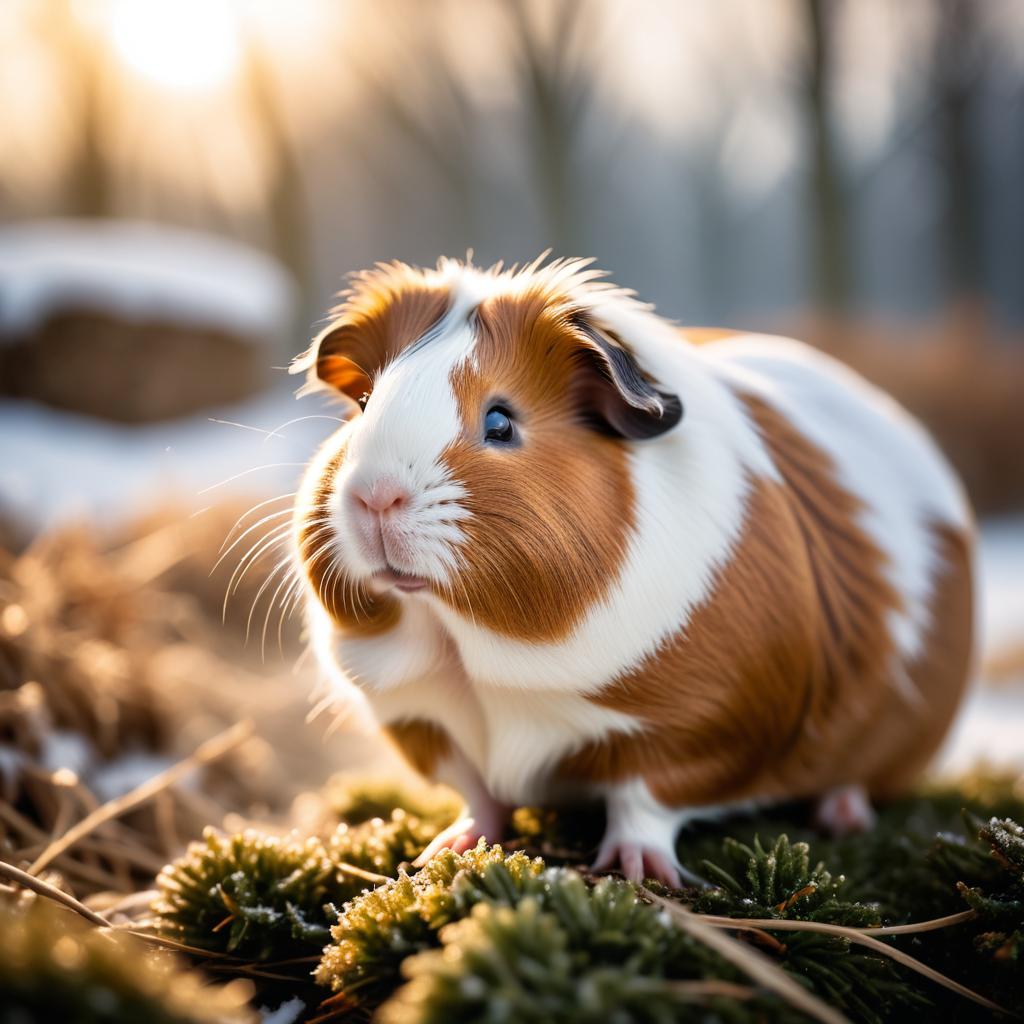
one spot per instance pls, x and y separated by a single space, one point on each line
300 419
245 426
238 540
253 508
259 593
245 472
250 558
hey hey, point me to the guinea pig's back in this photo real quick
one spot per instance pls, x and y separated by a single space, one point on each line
881 452
911 506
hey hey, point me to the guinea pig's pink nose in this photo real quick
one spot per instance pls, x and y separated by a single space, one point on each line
383 495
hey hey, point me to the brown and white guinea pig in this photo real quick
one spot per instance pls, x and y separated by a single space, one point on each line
563 549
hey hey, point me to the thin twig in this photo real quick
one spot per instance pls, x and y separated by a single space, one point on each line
858 936
250 970
293 961
181 947
366 876
209 751
751 961
150 556
710 988
44 888
921 926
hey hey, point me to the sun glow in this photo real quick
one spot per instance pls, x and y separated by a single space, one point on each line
180 45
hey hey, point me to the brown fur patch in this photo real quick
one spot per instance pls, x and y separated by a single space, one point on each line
385 311
781 684
550 518
423 744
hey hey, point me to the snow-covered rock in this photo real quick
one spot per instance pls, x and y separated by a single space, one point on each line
140 271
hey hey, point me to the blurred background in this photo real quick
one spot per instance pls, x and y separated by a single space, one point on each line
184 183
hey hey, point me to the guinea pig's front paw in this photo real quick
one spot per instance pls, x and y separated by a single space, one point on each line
638 862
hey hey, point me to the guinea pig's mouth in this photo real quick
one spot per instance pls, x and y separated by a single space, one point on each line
403 581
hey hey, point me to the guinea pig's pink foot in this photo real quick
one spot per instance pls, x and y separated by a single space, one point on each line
845 811
467 840
638 862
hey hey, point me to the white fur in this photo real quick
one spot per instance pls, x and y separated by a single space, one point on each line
635 816
414 649
526 736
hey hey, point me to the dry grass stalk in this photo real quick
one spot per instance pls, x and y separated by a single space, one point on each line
44 888
208 752
921 926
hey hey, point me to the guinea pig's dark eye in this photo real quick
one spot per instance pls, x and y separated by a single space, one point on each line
498 426
363 399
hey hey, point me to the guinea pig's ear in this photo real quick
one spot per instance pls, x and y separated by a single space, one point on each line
617 397
333 362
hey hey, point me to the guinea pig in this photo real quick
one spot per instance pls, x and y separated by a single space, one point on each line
566 549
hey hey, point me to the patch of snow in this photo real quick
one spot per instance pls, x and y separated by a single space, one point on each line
62 748
12 763
1001 574
989 730
57 467
140 271
286 1013
115 778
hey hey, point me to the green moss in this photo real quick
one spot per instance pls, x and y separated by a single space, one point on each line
253 895
270 897
1001 905
776 882
378 929
54 968
998 900
907 864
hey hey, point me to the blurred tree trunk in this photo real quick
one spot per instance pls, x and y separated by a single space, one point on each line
88 187
829 230
439 120
287 207
556 93
956 68
714 230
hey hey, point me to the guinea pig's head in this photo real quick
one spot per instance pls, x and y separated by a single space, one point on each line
486 461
